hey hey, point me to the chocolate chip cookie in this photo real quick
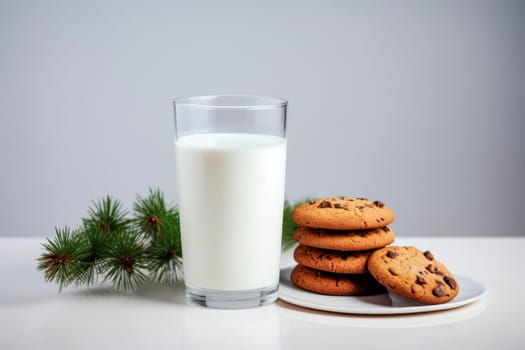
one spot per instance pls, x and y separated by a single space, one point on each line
413 274
354 240
329 283
343 213
332 260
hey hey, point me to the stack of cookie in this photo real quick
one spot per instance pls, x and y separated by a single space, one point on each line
336 236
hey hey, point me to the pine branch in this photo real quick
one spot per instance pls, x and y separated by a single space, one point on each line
62 257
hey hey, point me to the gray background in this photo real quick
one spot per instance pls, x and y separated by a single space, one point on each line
418 103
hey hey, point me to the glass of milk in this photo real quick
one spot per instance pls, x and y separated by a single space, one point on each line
231 163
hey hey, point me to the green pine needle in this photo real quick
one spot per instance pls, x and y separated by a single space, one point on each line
61 261
125 262
151 214
289 225
97 244
164 254
172 233
107 215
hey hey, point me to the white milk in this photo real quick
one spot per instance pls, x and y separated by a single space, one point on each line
231 194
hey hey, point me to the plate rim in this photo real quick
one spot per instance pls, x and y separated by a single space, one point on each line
310 302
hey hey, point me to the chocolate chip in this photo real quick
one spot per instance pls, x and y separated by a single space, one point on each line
339 206
438 291
361 207
391 254
428 255
312 202
379 204
325 204
386 229
451 282
431 268
362 198
420 280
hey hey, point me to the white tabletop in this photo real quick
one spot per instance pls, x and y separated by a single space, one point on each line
34 315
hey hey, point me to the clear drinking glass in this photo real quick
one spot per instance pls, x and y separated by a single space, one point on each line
231 163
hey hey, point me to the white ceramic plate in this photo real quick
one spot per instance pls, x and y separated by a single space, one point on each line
381 304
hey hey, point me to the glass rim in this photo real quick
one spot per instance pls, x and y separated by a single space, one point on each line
206 102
